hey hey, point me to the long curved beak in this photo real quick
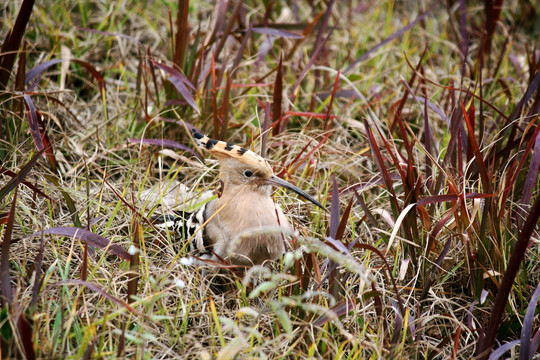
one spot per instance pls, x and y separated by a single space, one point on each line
274 180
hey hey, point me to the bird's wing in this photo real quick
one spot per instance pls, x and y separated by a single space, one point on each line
187 226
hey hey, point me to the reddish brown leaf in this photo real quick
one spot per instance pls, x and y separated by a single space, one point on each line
26 333
37 277
133 275
180 82
277 32
33 121
12 42
277 99
334 209
7 295
27 184
507 282
334 89
86 236
435 269
228 28
340 309
476 150
526 350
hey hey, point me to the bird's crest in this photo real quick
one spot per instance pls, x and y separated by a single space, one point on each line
221 149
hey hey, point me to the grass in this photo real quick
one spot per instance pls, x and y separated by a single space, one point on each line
417 126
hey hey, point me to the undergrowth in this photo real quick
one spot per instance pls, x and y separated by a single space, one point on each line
415 124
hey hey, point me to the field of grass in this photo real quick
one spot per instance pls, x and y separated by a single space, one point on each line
416 124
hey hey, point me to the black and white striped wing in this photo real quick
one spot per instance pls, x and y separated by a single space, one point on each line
187 226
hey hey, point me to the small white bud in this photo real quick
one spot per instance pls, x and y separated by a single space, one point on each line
186 261
133 250
288 260
180 284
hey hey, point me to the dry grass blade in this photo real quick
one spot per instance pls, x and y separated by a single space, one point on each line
308 155
389 271
37 276
167 143
20 175
98 290
69 201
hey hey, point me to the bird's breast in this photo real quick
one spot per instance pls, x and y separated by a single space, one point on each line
250 228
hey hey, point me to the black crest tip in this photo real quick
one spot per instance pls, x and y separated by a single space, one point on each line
197 135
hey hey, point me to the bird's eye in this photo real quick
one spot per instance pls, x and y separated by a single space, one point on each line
248 173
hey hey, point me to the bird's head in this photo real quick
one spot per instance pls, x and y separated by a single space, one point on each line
242 167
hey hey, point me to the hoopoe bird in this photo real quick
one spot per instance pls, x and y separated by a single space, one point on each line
244 226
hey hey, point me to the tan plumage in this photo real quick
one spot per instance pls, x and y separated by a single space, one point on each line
244 226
